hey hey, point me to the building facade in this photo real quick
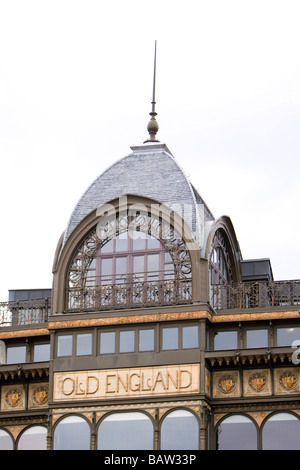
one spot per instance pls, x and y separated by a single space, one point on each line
156 333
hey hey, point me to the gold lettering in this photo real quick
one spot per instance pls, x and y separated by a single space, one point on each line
173 379
63 386
96 384
108 384
89 389
124 385
136 385
148 383
78 389
159 379
181 380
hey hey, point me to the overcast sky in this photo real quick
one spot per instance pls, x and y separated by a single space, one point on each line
75 94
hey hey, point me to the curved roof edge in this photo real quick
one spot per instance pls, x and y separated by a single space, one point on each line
133 174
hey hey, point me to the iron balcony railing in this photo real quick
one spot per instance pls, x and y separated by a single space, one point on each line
125 294
234 296
245 295
24 312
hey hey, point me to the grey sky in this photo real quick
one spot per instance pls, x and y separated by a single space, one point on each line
75 93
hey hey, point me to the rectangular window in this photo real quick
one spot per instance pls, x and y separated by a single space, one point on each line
64 345
286 336
170 338
41 352
153 267
190 337
84 344
16 355
225 340
257 338
122 242
107 342
126 341
138 240
146 340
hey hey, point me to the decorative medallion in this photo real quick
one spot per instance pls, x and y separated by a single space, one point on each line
13 397
257 381
288 380
40 395
226 383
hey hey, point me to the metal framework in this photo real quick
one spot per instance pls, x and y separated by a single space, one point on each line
219 262
24 312
85 293
259 294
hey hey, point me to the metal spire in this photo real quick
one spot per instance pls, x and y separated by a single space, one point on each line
153 125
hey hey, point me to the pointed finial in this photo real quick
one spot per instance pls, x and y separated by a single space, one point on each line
153 125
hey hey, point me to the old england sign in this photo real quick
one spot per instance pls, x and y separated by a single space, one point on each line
146 381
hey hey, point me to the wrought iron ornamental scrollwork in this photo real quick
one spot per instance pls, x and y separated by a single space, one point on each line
88 289
258 294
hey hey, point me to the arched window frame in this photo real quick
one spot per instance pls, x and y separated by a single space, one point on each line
176 289
170 412
232 415
271 416
219 262
127 412
71 415
24 431
9 435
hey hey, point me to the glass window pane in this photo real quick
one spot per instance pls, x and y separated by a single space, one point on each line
139 264
190 337
72 433
122 242
16 354
281 432
126 341
170 338
41 352
6 442
285 336
64 345
257 338
139 240
153 243
237 433
108 247
131 431
153 267
84 344
225 340
146 340
121 269
107 342
180 430
35 438
106 266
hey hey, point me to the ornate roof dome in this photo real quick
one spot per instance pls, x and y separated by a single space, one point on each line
150 171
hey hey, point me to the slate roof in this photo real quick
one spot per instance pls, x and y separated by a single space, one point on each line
149 171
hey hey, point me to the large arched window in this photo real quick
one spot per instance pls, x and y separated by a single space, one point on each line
33 438
6 441
237 432
180 430
128 430
129 262
72 433
281 432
